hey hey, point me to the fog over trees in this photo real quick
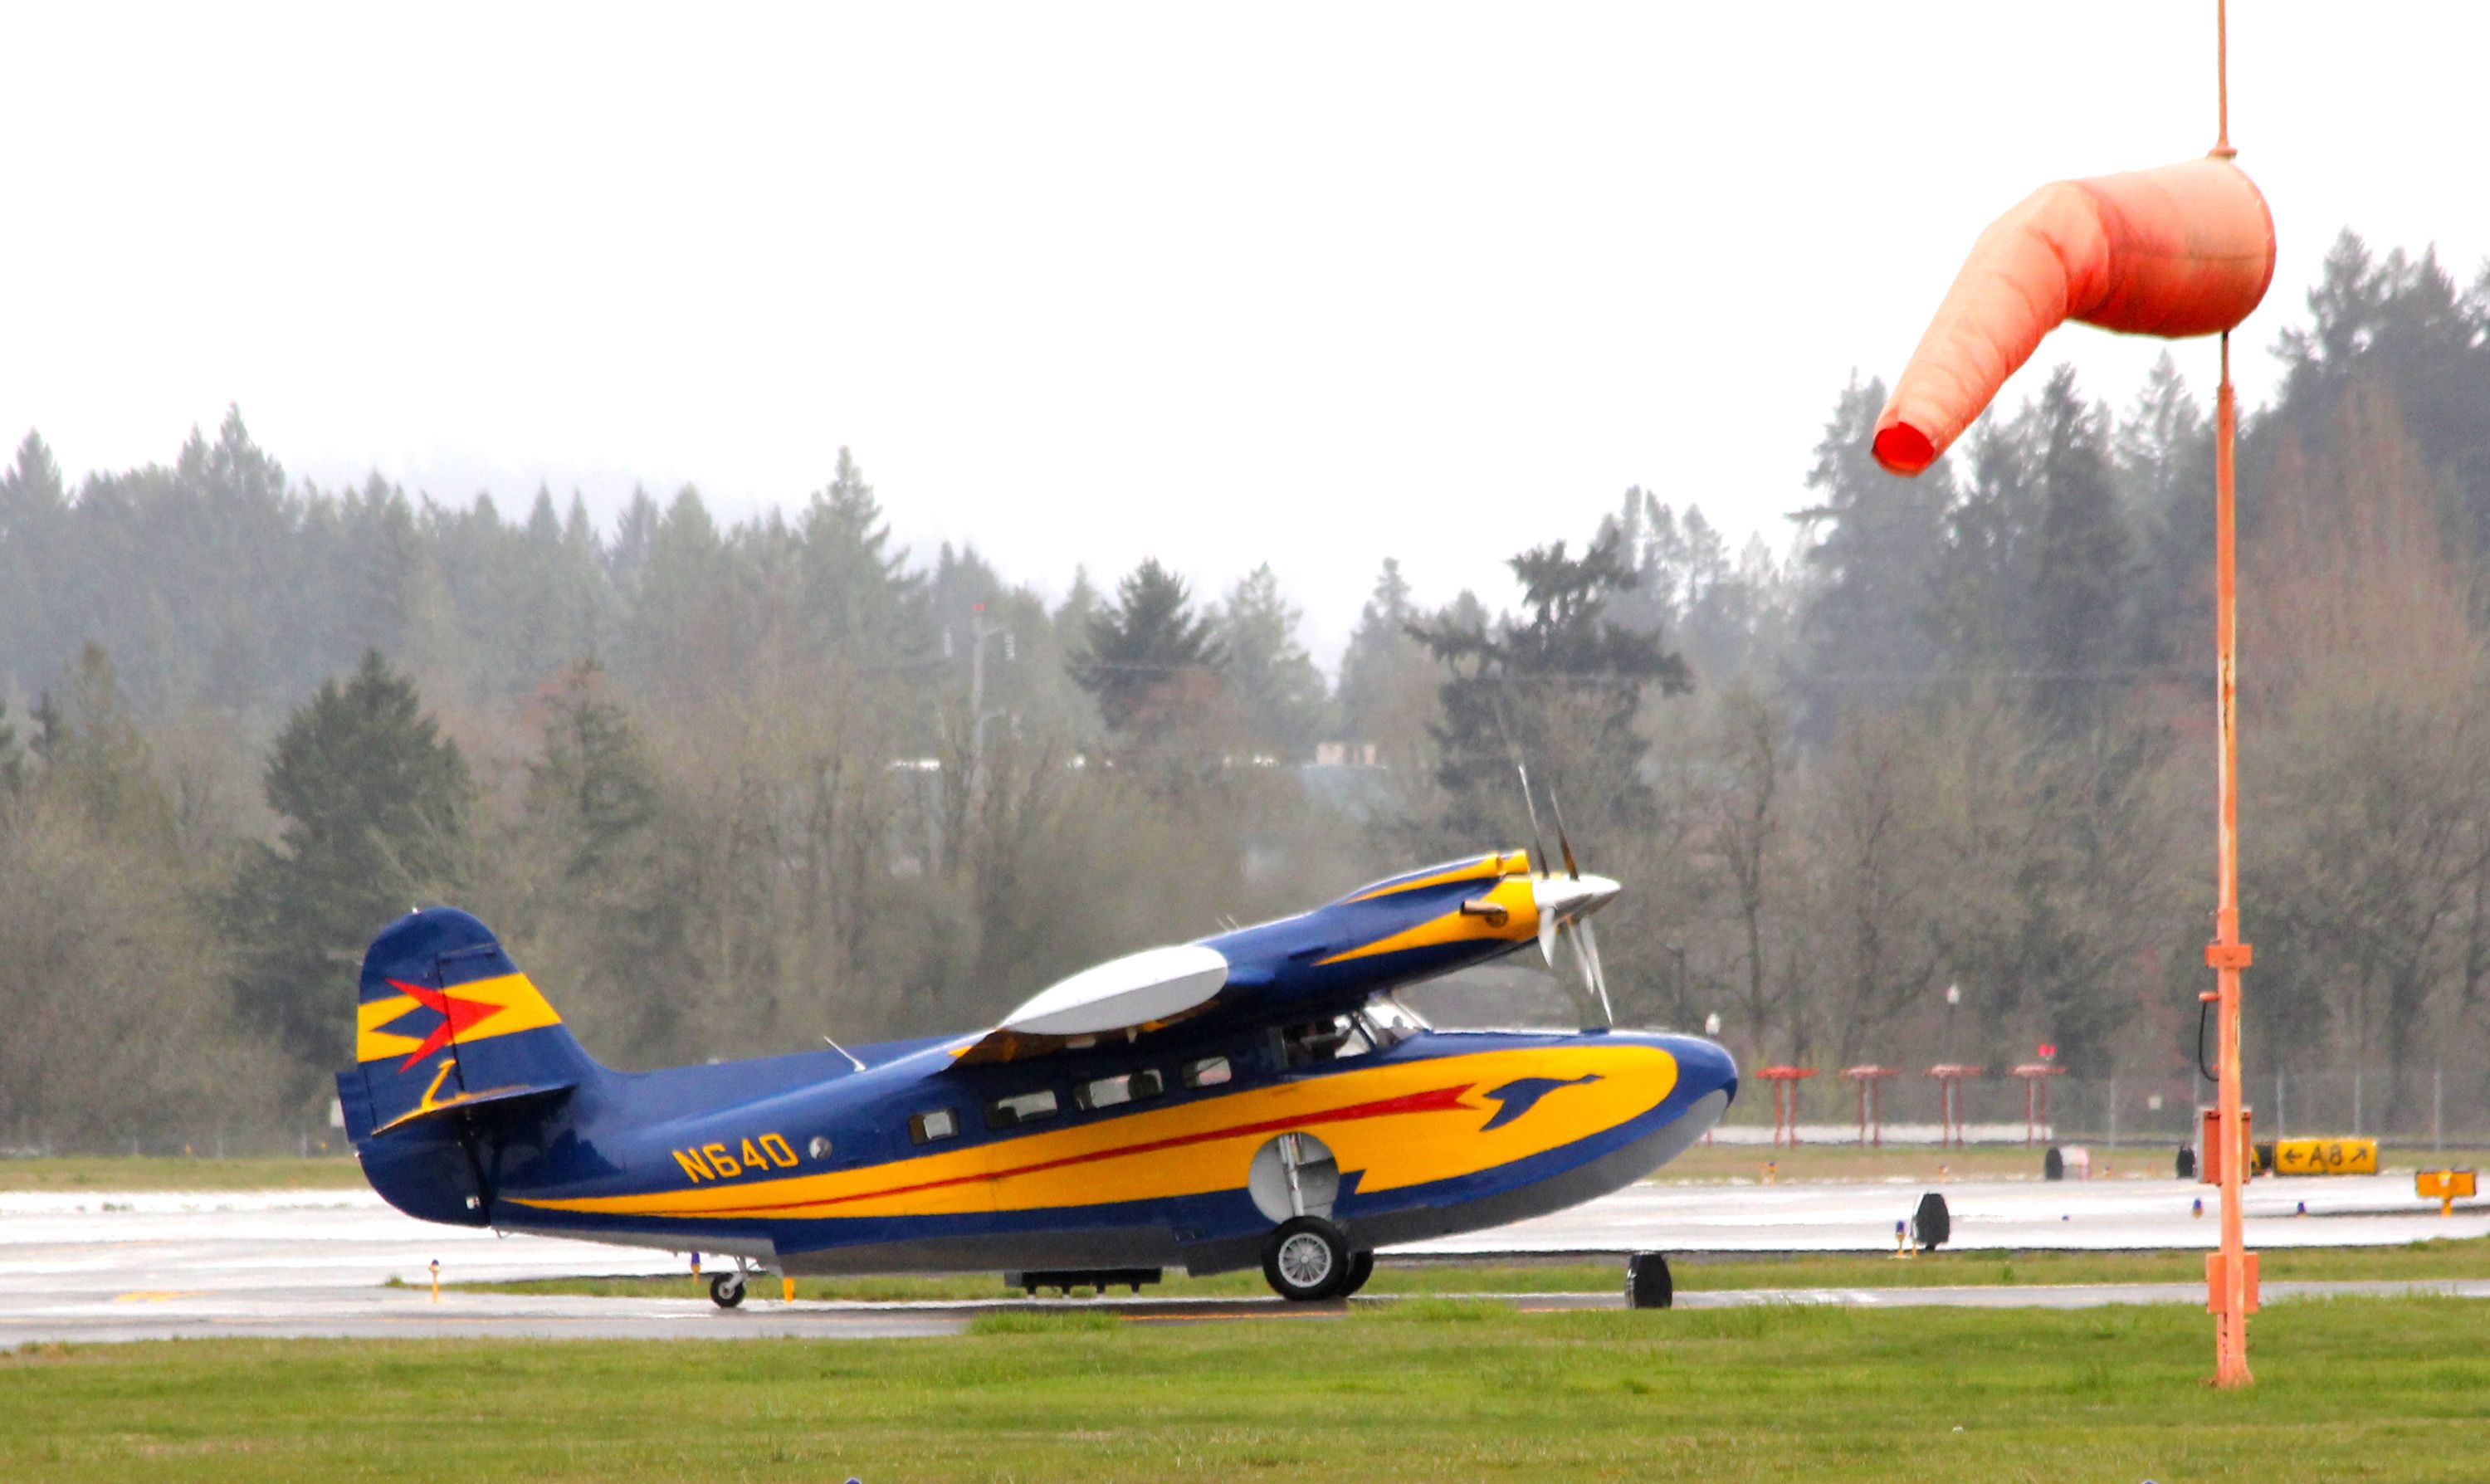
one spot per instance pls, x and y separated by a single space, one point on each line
726 789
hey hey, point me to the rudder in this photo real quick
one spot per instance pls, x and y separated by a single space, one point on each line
445 1023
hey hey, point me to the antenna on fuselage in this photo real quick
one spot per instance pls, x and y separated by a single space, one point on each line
843 1051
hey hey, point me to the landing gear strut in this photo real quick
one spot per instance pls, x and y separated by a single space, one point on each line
1307 1260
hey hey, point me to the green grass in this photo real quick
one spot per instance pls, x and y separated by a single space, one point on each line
2348 1390
2438 1260
150 1172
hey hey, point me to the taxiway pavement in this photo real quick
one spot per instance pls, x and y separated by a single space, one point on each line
120 1266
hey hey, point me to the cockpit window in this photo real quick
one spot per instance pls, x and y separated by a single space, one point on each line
1333 1039
1390 1022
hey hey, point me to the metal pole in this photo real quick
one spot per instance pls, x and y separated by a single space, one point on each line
2437 1108
2227 954
2356 1102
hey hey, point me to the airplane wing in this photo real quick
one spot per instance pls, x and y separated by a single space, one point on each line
1137 992
1411 927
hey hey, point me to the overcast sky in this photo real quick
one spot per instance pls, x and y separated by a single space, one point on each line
1310 285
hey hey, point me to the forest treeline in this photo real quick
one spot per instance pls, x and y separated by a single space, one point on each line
726 789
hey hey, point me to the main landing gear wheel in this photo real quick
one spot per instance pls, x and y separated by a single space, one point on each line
1307 1260
726 1290
1361 1266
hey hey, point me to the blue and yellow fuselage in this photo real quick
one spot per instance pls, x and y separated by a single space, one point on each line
808 1164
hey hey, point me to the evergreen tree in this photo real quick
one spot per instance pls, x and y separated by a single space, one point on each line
2082 575
95 758
12 757
34 520
1871 566
857 585
1387 680
596 819
1557 687
1273 680
1147 644
375 804
2163 453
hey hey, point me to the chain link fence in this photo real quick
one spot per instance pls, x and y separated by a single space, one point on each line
2432 1107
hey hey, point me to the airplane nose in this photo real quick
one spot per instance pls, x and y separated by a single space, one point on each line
1703 1066
1568 897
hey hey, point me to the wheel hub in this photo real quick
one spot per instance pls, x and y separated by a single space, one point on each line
1305 1260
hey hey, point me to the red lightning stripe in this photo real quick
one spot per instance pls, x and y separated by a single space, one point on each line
457 1016
1435 1101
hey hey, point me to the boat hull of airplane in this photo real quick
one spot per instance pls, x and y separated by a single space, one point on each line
1449 1133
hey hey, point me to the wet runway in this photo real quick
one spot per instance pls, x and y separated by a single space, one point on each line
94 1266
2089 1215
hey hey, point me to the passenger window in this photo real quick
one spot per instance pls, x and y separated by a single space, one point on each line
1208 1072
1021 1108
1112 1092
927 1127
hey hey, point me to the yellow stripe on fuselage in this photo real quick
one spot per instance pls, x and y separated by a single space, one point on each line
1485 868
1400 1123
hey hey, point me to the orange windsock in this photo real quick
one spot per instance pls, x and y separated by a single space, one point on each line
2183 251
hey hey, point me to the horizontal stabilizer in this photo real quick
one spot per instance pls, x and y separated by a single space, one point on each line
426 1109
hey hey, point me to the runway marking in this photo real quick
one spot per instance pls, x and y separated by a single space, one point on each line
158 1296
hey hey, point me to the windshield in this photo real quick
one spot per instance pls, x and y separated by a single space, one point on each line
1390 1022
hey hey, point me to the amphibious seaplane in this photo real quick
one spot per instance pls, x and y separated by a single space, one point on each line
1256 1096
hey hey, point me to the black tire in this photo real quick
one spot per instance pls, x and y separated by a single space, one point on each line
2186 1163
1306 1261
1361 1266
726 1290
2053 1164
1648 1285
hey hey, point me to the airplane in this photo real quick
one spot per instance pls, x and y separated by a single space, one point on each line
1260 1095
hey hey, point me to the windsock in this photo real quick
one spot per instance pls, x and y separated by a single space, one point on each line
2185 249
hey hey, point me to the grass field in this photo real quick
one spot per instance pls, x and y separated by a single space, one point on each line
2468 1259
2348 1390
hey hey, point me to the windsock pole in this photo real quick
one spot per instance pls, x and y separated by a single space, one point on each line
2230 1286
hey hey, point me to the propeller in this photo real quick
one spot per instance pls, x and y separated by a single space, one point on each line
1566 904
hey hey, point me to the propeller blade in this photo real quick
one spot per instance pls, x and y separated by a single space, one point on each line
1548 923
1599 976
1567 846
1537 848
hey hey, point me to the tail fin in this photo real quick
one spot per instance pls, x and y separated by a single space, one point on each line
445 1023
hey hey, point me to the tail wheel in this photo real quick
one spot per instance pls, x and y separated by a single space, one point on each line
1361 1266
726 1290
1307 1260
